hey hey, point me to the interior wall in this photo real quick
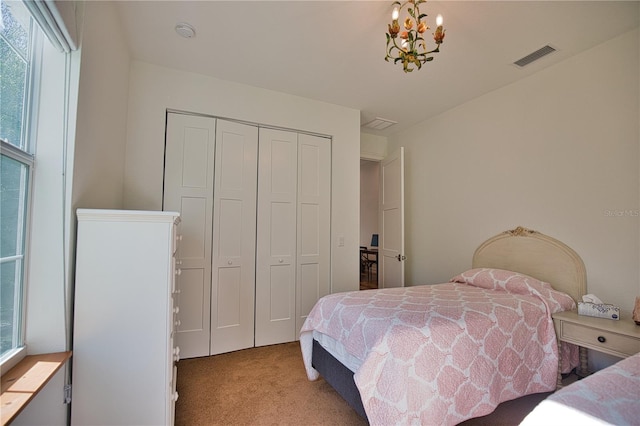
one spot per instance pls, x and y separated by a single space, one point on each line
102 110
556 152
154 89
373 147
369 199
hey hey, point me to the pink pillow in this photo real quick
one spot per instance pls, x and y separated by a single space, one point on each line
517 283
500 279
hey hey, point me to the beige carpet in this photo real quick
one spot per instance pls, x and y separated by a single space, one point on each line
258 386
268 386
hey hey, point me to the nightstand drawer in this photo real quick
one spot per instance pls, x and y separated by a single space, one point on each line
606 341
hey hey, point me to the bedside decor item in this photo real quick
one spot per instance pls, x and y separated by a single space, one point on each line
406 44
599 310
592 306
636 311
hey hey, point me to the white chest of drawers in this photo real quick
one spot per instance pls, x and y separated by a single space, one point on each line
123 351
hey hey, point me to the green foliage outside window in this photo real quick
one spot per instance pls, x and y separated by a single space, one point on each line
14 42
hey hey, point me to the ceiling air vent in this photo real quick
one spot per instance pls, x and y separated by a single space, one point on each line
544 51
379 124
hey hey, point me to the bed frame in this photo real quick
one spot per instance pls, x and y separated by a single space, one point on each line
520 250
537 255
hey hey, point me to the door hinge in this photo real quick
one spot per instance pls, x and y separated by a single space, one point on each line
67 394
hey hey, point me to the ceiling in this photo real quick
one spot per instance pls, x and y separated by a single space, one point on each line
333 51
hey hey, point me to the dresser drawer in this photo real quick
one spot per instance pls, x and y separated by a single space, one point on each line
609 342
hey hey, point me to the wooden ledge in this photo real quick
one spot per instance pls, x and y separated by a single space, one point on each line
21 384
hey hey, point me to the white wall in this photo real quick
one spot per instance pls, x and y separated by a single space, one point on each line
556 152
373 147
102 110
153 89
369 200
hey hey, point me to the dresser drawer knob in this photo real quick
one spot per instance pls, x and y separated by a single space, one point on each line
601 339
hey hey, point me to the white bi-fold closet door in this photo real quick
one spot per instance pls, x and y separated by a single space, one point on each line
255 231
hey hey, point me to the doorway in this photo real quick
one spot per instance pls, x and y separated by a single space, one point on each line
369 223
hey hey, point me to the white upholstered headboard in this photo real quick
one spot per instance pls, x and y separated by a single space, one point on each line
537 255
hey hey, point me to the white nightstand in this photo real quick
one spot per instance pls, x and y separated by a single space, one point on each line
620 338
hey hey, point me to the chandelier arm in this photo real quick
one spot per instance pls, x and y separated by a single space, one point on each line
395 45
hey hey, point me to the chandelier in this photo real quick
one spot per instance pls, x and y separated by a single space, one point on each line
409 46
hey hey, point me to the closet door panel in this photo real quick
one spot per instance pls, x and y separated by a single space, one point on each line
313 224
229 297
276 237
309 286
234 237
193 246
188 189
280 308
283 238
192 294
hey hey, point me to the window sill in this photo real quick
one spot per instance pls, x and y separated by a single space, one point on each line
21 384
12 357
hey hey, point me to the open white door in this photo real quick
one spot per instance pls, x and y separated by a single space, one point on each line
391 213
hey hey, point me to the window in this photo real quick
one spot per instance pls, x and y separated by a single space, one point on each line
17 68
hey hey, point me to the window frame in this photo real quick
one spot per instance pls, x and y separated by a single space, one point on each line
25 154
14 355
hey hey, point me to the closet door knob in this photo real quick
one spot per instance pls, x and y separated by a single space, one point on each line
281 260
230 262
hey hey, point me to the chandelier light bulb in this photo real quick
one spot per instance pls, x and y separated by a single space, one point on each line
395 13
439 20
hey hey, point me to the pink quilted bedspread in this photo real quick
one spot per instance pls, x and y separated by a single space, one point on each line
441 354
608 397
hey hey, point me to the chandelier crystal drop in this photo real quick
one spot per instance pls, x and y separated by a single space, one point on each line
406 44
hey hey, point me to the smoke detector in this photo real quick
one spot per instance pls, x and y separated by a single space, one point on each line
185 30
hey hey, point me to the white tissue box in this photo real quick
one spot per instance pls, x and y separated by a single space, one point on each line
600 310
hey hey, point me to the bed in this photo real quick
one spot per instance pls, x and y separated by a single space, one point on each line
444 353
607 397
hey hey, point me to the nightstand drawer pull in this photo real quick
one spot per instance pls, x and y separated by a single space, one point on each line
601 339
